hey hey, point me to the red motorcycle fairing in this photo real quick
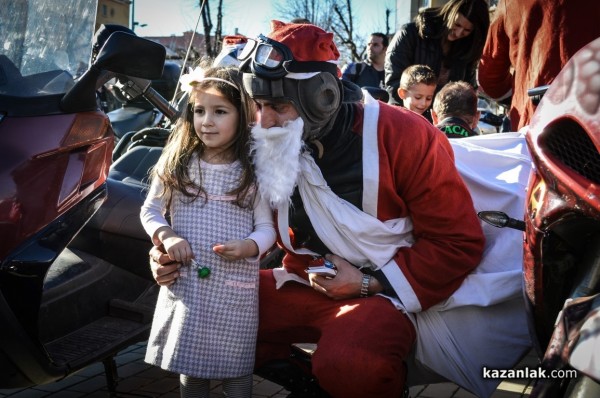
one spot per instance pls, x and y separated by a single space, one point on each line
49 163
61 307
563 205
53 166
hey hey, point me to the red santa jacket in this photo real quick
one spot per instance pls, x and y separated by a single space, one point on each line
418 178
529 42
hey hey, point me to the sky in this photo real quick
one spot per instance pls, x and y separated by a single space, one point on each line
250 17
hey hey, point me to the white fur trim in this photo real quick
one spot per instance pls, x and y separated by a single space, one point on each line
401 286
370 156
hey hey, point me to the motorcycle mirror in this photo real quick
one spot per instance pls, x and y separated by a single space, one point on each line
501 220
144 58
122 53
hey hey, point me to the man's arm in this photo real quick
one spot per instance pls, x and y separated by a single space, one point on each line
495 76
418 178
399 56
164 271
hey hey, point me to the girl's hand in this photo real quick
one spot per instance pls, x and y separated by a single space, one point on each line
236 249
178 249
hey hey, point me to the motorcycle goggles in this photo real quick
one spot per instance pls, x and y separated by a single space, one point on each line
271 59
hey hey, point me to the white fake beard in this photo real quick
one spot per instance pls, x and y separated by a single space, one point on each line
277 160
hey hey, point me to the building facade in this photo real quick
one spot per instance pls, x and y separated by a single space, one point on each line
113 12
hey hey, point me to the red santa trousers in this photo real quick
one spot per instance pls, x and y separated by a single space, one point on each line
362 342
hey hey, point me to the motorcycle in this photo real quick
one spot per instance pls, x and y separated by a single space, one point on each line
562 258
69 296
562 230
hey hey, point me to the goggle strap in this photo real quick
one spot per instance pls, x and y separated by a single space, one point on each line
310 66
277 88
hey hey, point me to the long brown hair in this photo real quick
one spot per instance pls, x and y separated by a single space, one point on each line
477 12
172 167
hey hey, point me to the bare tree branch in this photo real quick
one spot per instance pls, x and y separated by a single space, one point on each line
388 12
318 12
219 29
207 23
343 27
336 16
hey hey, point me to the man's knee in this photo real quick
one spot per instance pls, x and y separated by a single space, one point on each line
365 357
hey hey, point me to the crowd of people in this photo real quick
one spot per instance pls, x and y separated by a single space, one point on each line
368 189
524 47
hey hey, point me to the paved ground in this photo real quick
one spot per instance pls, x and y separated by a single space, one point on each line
138 379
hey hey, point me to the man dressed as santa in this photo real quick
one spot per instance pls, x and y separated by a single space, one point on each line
374 190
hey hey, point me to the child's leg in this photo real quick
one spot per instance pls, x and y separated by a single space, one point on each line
239 387
192 387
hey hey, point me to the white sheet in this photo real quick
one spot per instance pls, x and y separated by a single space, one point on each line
484 322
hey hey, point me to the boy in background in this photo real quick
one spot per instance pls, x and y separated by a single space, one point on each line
417 88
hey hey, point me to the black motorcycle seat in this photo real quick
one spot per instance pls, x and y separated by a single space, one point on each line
120 214
133 167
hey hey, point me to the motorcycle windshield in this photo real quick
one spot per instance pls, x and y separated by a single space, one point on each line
44 46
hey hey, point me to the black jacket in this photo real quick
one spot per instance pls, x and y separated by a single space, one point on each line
363 74
409 48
